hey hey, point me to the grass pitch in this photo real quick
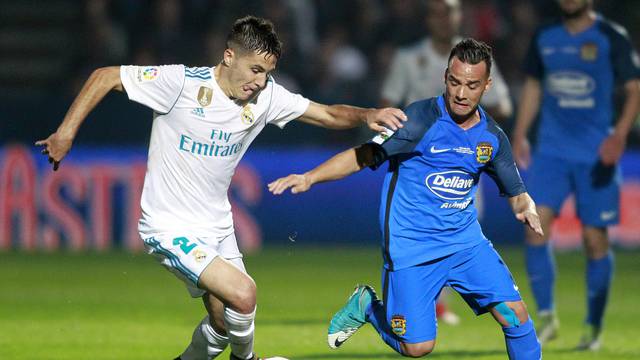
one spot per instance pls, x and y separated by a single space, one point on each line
124 306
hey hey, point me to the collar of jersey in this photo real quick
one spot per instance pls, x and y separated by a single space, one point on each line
597 20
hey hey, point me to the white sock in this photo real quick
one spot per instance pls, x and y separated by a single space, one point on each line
206 343
240 331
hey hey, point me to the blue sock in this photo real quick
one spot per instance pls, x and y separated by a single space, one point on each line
599 273
542 274
377 317
522 342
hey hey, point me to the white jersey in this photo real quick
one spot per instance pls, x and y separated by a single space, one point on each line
417 73
198 138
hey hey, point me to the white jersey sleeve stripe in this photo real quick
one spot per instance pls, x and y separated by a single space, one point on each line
200 73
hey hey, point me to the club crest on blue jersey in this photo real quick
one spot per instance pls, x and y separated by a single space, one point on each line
589 52
398 325
484 150
247 115
450 185
204 96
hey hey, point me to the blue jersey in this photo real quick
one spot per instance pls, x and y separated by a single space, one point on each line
578 73
426 209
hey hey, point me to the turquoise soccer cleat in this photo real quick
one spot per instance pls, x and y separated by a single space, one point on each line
351 317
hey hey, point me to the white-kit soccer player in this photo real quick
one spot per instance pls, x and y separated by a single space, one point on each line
204 120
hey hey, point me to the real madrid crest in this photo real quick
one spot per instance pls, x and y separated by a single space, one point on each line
484 150
398 325
204 96
589 52
199 256
247 115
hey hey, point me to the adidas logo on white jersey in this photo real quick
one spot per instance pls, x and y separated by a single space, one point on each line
199 112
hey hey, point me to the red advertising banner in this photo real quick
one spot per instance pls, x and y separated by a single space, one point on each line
93 203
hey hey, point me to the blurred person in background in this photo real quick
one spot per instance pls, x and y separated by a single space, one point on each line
400 21
164 33
512 47
205 118
416 71
340 65
572 69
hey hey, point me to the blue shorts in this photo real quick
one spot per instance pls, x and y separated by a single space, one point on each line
478 274
550 180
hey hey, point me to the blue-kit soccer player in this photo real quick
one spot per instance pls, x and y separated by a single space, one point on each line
572 69
431 235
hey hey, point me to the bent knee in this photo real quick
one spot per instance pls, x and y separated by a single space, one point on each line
418 349
244 299
511 313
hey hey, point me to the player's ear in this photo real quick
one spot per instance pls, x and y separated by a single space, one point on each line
228 57
446 75
487 86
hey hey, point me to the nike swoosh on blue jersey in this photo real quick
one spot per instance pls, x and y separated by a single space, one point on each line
435 151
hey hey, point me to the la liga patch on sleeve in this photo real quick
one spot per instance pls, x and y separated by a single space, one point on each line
148 73
382 137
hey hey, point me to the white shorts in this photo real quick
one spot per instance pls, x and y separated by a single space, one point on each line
187 256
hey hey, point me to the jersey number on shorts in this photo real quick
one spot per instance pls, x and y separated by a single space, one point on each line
185 244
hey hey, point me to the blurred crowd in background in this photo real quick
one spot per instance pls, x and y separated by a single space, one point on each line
335 51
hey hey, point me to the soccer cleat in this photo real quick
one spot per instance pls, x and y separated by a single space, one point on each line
590 339
548 326
351 317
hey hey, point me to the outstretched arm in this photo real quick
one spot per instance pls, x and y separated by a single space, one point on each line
347 117
101 81
525 210
338 167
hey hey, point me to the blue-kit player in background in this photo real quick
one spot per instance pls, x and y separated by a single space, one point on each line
572 70
431 235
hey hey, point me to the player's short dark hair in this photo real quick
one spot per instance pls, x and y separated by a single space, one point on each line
252 33
472 51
